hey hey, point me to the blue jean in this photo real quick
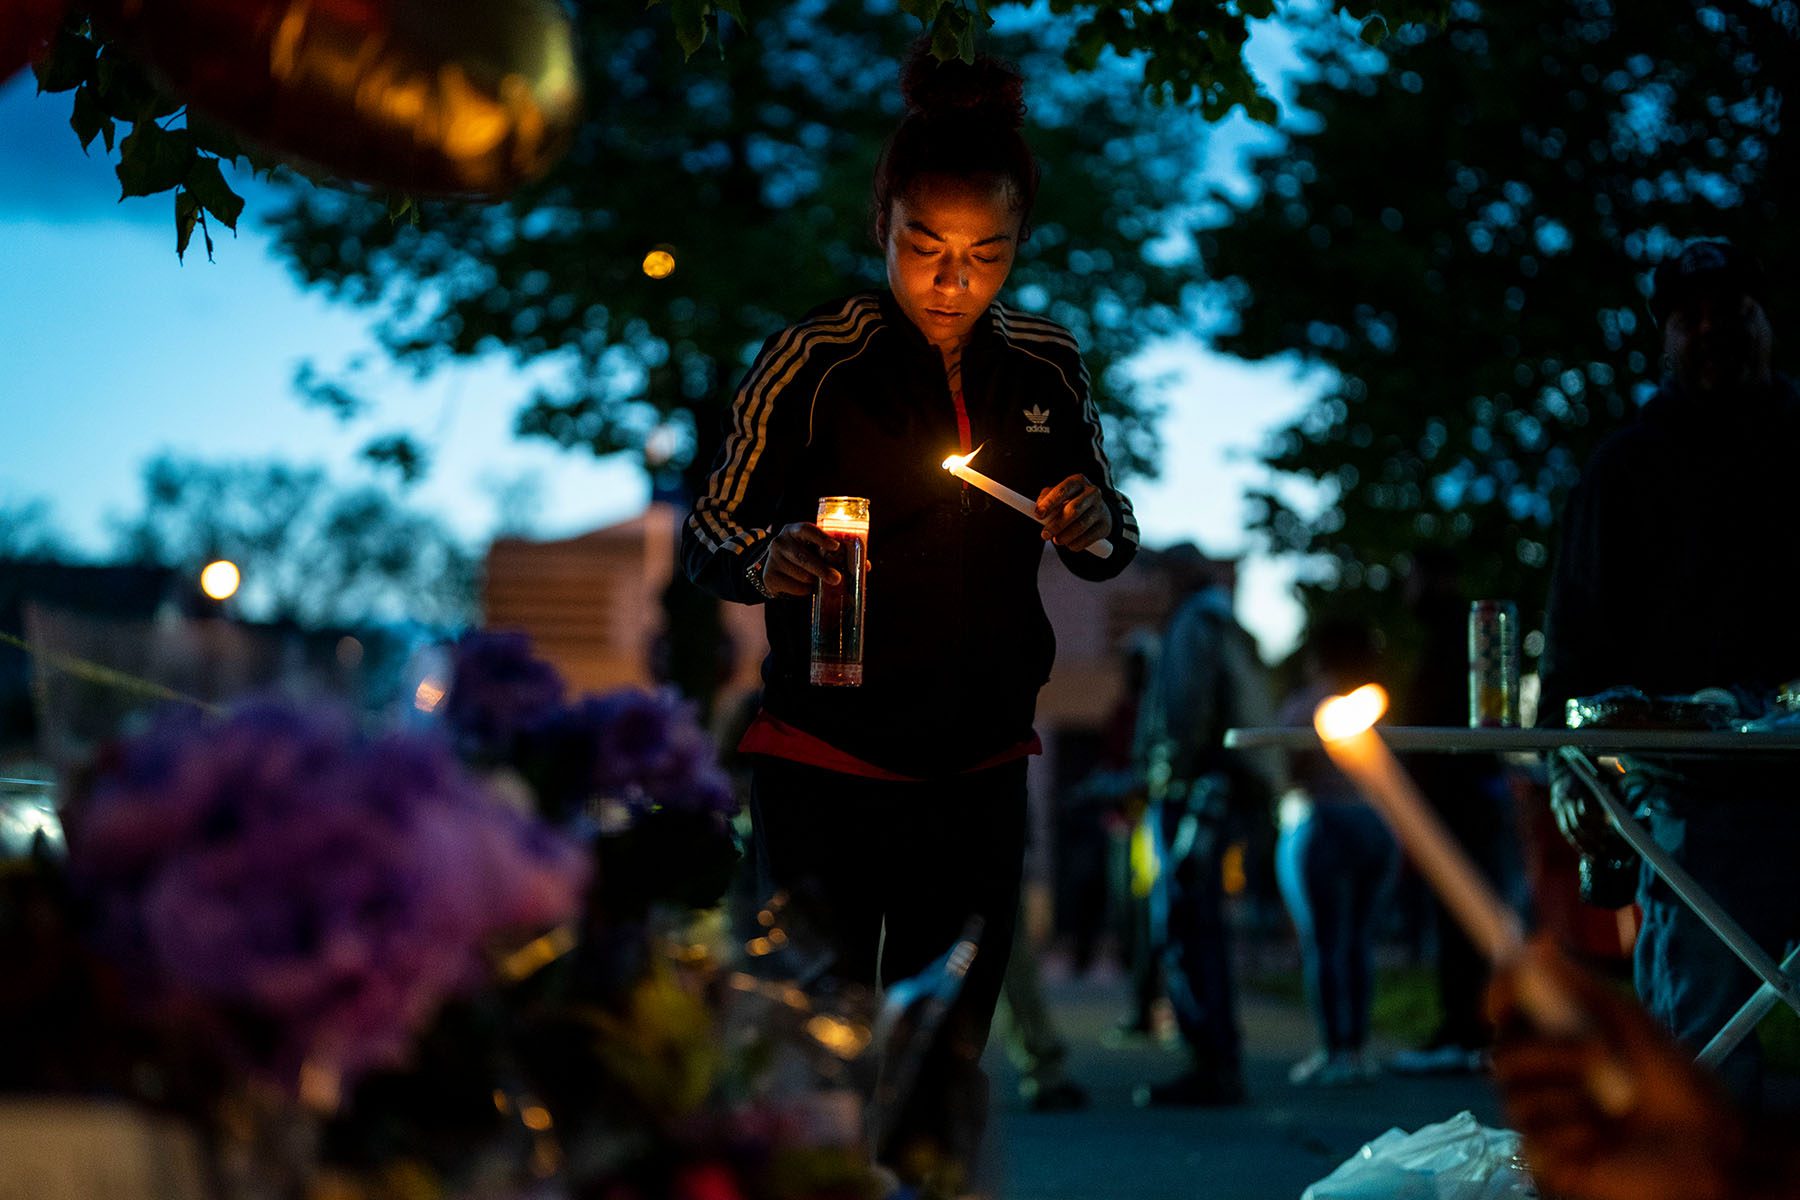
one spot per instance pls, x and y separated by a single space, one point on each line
1334 868
1741 850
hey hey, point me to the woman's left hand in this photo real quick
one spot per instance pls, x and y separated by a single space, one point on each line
1074 513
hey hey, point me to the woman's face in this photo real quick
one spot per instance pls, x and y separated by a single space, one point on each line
950 245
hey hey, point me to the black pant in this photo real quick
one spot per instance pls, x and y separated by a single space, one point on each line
1476 817
1188 903
919 859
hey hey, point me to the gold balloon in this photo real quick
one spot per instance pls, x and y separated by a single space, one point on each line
432 97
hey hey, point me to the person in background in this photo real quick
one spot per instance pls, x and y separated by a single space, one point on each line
1670 578
1208 679
1473 799
1336 860
1037 1048
1131 850
900 805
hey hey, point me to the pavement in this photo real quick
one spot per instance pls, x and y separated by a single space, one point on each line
1284 1138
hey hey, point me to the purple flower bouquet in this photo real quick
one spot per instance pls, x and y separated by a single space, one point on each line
499 691
632 767
308 895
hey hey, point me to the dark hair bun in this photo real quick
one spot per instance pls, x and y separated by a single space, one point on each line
963 121
986 87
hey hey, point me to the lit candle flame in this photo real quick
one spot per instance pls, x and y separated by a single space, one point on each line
1341 717
958 461
1346 724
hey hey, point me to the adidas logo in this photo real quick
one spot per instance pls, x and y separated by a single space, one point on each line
1035 418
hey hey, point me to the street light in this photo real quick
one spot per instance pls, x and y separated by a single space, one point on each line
220 579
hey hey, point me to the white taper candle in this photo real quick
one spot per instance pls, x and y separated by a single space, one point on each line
1346 725
958 465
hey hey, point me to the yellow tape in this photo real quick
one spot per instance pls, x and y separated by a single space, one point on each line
93 672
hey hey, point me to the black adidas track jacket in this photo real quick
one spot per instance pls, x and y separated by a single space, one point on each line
853 401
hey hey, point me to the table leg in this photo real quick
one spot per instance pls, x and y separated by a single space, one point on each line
1681 883
1761 1003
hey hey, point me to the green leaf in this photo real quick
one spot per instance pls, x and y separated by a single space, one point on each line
925 10
1261 108
126 89
1374 31
947 36
187 215
1257 10
153 159
69 64
690 24
88 120
1086 47
208 184
210 137
402 207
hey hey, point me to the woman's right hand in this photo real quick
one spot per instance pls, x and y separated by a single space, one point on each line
799 559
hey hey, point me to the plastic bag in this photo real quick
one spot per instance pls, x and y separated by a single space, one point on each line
1458 1159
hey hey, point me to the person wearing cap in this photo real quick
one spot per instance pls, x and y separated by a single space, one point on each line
1208 679
1674 575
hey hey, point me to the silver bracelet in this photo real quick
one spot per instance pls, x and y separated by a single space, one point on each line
754 574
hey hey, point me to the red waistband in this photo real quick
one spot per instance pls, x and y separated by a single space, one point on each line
777 739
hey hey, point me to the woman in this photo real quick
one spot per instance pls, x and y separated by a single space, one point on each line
900 804
1335 861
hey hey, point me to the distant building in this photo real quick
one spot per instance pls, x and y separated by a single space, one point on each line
592 603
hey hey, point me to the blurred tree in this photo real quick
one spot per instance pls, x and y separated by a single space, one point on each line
750 172
309 551
28 530
1188 51
1464 235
